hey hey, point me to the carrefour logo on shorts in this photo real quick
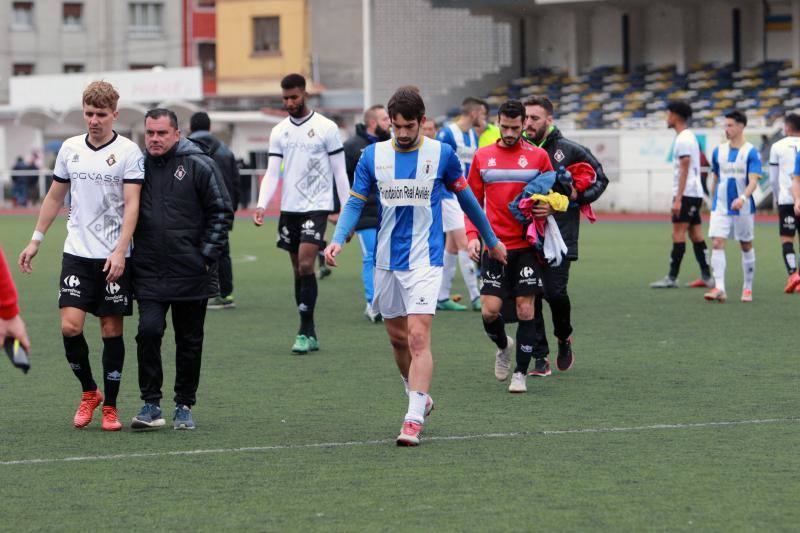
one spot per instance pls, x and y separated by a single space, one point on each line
112 288
72 281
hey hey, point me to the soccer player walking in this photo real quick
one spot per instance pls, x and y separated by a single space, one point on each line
103 172
782 156
498 174
462 138
313 163
410 174
687 198
541 132
736 169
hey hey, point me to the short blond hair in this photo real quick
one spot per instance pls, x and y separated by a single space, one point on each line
101 94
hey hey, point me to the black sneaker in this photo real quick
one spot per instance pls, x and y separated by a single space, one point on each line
541 367
566 357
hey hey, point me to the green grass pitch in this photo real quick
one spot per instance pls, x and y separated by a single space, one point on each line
703 400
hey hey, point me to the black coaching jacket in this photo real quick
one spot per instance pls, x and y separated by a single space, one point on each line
224 159
353 148
563 153
184 217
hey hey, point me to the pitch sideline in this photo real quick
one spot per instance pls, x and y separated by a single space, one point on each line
345 444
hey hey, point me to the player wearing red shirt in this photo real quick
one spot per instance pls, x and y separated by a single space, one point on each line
498 174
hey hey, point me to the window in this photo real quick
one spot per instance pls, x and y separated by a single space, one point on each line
22 18
23 69
266 35
146 17
207 58
72 14
71 68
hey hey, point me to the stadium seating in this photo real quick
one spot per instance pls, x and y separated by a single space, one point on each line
607 97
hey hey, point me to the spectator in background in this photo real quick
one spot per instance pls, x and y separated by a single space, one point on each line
488 133
19 183
200 124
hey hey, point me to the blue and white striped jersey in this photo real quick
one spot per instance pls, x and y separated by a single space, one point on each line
465 144
732 167
410 185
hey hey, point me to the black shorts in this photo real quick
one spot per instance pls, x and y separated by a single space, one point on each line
83 285
520 277
690 211
296 228
787 221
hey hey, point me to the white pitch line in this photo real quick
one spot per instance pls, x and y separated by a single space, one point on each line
346 444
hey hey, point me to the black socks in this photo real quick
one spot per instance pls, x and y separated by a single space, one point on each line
526 336
307 299
77 352
113 358
675 258
496 330
701 254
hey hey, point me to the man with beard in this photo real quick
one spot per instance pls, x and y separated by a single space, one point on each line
375 128
462 138
408 174
313 162
498 174
540 131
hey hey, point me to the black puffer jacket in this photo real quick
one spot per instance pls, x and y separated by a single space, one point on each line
353 148
184 216
563 153
224 159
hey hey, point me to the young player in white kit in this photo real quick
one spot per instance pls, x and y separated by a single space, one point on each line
736 169
782 156
103 172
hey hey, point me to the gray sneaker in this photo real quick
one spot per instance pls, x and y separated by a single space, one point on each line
666 283
502 360
149 417
182 418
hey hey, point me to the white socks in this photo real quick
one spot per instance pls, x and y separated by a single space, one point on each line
416 407
448 272
468 273
749 268
718 267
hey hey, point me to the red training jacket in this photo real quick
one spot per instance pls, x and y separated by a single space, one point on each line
497 175
8 293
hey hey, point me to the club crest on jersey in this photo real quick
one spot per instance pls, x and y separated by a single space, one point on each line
111 160
492 162
180 173
427 166
558 156
311 133
522 161
75 158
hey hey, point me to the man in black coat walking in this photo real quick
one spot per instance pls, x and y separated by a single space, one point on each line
184 216
200 126
540 131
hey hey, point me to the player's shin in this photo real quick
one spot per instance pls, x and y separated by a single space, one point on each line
526 335
496 331
77 352
113 359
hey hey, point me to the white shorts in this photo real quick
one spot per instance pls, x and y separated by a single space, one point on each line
452 215
406 292
739 227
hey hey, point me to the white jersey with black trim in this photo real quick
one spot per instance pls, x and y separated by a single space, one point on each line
306 146
96 176
686 145
782 157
